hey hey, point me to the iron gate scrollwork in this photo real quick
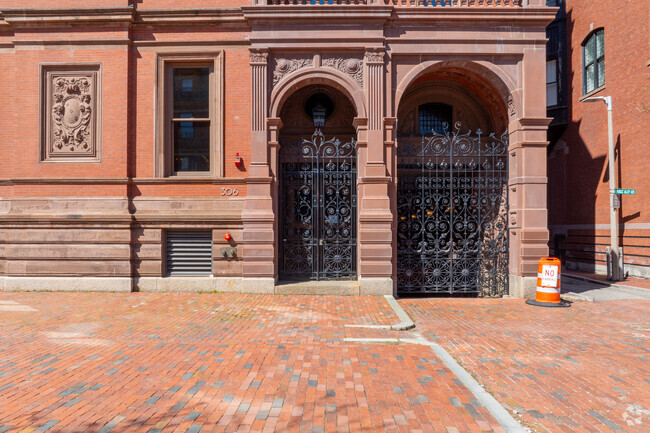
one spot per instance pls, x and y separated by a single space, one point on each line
452 210
318 209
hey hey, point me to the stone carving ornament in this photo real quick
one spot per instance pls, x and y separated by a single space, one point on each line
351 66
286 65
71 113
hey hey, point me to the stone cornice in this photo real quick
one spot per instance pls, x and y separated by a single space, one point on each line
189 16
311 14
511 17
34 16
286 14
193 180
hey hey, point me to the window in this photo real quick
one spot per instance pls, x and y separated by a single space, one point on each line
593 61
433 117
551 83
190 127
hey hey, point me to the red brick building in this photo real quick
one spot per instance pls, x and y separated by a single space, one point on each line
607 53
390 145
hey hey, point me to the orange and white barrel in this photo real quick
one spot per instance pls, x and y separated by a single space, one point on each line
548 283
548 280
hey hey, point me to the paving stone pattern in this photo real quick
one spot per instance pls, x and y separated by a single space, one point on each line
108 362
579 369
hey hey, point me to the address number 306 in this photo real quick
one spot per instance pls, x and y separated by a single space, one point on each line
229 191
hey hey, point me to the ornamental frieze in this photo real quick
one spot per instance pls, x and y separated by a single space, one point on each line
70 113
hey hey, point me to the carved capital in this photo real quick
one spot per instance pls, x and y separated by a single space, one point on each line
70 114
375 56
258 56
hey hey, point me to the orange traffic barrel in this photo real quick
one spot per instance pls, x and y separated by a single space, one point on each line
548 284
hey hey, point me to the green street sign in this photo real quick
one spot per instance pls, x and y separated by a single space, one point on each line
625 191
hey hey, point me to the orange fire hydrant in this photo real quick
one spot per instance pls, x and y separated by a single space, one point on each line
548 284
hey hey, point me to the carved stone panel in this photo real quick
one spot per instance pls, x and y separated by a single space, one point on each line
287 64
70 113
350 65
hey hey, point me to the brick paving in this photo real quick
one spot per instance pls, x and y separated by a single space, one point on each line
639 283
579 369
108 362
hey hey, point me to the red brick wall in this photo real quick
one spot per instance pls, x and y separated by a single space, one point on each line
578 170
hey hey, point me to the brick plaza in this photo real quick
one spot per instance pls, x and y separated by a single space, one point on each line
74 362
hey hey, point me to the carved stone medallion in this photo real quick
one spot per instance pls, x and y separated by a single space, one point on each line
70 113
285 65
351 66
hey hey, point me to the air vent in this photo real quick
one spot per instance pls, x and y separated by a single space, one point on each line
189 252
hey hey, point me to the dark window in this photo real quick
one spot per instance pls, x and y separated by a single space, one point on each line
191 118
435 117
551 83
593 61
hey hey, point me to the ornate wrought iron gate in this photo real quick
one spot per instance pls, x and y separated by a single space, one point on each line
452 209
318 201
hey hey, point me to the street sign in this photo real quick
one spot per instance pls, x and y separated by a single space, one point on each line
625 191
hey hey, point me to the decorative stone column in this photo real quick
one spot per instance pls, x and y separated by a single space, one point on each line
258 217
375 216
528 217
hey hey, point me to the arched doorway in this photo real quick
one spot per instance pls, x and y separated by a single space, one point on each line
318 187
452 190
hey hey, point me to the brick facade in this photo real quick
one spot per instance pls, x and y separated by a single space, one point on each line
64 220
578 162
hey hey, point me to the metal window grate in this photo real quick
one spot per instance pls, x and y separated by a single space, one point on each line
188 252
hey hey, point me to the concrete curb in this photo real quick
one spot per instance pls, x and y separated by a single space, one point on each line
495 408
603 283
405 324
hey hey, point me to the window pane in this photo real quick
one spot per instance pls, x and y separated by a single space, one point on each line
589 51
591 79
191 146
601 73
551 71
600 44
551 94
432 117
192 92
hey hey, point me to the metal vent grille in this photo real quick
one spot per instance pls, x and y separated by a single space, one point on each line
189 252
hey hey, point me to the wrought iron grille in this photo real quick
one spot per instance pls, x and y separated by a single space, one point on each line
452 209
318 202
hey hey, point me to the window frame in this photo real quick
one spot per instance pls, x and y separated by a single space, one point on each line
596 61
164 139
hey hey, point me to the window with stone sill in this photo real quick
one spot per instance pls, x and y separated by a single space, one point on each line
593 62
189 115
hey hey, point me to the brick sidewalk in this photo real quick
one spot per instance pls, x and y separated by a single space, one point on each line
639 283
105 362
579 369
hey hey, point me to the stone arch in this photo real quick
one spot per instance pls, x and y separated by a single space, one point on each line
315 76
496 81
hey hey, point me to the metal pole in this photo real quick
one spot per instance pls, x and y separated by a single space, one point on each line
613 217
